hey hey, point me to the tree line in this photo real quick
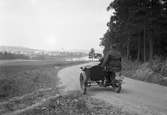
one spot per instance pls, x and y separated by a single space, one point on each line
5 55
138 28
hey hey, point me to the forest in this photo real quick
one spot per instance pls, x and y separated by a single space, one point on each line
138 28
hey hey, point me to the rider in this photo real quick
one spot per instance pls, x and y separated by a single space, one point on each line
112 60
101 60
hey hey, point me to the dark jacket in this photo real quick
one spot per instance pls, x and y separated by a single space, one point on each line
112 59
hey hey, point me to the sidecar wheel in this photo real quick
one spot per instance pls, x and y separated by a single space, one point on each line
117 89
83 84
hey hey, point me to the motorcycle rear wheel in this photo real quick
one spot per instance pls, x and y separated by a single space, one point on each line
117 88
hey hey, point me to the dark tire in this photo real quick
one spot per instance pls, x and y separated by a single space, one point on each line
83 84
117 89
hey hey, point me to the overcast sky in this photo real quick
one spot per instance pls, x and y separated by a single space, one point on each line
53 24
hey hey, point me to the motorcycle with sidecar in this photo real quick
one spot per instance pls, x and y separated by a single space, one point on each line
98 75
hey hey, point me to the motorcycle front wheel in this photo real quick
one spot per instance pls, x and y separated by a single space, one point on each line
83 84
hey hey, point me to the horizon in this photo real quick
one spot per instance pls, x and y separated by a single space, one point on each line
53 25
71 50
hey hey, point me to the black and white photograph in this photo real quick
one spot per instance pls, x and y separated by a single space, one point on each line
83 57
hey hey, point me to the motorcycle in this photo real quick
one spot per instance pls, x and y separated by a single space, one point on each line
101 76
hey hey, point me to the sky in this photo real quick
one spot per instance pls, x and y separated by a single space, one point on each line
53 24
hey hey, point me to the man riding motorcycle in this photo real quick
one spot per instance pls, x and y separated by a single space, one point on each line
112 60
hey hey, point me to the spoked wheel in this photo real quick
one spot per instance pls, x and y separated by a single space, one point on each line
117 88
83 84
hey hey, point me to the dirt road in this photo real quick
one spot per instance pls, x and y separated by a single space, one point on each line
135 96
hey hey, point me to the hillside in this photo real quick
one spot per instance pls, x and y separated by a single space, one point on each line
18 48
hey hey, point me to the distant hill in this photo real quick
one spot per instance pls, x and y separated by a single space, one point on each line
85 50
18 48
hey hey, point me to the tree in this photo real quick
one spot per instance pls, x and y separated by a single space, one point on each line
137 21
92 53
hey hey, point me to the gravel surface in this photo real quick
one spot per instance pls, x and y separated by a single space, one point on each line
135 96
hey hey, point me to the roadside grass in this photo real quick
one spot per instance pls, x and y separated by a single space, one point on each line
152 73
75 103
29 88
21 78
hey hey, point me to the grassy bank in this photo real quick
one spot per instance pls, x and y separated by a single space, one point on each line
75 103
29 88
152 73
19 78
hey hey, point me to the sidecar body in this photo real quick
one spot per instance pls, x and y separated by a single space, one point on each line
89 75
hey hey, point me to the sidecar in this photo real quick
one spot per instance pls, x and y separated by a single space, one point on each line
90 75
